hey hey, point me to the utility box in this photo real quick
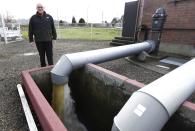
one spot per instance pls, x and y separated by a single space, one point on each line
158 19
130 19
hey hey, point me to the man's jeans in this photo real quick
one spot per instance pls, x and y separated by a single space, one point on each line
45 48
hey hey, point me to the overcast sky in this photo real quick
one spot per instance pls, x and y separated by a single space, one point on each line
90 10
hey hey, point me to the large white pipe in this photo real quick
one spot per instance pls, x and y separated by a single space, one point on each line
69 62
149 108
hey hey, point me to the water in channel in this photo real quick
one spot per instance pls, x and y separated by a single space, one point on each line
63 105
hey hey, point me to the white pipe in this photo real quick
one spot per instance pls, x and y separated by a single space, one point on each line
28 114
149 108
69 62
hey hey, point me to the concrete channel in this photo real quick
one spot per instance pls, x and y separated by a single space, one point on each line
98 95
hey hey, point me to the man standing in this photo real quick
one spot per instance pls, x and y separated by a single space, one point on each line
41 32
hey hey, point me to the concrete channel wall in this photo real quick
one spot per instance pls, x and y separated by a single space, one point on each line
99 94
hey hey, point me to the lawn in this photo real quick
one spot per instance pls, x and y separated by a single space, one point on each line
83 33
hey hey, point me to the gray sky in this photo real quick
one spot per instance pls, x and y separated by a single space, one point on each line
90 10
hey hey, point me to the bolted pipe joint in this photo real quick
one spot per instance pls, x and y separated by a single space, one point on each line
158 20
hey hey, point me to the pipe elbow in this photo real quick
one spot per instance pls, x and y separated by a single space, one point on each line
138 113
60 72
152 45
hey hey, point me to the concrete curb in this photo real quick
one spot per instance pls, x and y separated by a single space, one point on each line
46 115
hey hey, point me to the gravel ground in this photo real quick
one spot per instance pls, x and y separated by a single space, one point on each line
12 62
123 67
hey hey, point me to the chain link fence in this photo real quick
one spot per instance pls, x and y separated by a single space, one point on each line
91 31
95 31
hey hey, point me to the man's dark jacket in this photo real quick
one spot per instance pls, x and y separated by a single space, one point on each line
42 27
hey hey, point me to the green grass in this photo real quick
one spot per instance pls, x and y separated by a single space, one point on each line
85 33
25 35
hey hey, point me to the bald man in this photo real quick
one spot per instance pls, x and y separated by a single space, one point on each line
41 32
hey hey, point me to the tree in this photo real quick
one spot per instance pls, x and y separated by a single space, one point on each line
122 17
114 21
9 18
107 24
73 20
61 22
81 22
